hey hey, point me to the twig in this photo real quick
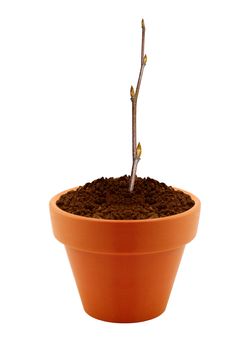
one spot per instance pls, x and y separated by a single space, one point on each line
136 149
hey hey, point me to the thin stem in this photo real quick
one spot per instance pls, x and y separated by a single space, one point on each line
143 59
134 129
136 149
139 82
133 174
142 40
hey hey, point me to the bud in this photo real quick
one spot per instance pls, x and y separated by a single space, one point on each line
145 59
138 150
142 23
132 92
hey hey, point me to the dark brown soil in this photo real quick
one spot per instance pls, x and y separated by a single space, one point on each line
109 198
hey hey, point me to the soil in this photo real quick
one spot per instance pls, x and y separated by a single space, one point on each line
109 198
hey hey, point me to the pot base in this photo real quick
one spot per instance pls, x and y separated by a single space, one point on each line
117 321
124 288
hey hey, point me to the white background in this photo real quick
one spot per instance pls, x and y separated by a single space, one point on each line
65 72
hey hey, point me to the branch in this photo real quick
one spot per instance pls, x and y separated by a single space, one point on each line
136 149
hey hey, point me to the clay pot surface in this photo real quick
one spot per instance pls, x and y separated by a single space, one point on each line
124 269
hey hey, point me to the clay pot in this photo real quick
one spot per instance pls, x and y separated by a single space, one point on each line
124 269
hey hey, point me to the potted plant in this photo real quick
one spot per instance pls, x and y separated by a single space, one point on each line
125 237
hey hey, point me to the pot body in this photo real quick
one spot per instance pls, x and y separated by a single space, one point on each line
122 287
124 269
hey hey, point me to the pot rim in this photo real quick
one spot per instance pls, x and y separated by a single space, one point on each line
131 221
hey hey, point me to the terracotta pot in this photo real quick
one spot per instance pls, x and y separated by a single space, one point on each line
124 269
